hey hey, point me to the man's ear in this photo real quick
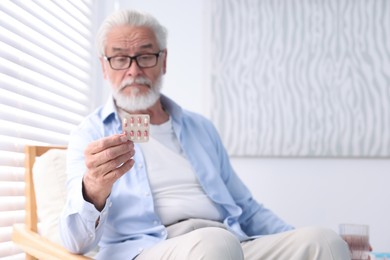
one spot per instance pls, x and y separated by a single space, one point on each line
104 68
165 61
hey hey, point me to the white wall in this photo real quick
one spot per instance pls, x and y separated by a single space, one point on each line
322 192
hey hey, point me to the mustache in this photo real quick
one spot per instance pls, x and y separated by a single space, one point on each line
138 80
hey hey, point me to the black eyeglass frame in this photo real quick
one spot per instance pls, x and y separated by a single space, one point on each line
134 58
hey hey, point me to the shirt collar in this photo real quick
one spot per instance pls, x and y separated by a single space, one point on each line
109 110
172 108
175 112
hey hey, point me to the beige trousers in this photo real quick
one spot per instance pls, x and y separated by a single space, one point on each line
196 239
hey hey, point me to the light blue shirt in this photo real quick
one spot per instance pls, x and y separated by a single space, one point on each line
128 223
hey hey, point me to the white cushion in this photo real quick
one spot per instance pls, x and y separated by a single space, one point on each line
50 190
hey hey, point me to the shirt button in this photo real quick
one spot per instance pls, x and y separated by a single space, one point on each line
155 222
109 205
90 235
140 250
140 166
147 194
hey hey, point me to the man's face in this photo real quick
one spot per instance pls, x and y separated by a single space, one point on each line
134 88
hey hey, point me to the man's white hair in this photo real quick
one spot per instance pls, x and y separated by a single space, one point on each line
133 18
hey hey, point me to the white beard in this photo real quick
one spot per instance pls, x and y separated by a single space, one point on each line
136 101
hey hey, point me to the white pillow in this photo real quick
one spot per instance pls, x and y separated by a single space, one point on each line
50 191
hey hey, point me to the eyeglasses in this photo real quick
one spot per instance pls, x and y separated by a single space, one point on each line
147 60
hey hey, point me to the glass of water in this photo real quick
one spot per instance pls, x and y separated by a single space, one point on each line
357 238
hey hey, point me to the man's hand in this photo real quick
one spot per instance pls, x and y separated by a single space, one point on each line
107 160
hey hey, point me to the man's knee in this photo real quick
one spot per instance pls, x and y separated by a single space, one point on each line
216 243
320 235
321 239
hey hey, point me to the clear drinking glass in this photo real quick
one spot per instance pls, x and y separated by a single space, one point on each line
357 238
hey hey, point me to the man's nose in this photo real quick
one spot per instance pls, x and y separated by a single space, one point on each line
134 70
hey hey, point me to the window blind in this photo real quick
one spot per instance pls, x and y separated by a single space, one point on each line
46 58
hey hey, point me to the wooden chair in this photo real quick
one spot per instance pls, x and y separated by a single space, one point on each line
26 235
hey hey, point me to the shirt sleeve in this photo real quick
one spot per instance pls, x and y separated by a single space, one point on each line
81 224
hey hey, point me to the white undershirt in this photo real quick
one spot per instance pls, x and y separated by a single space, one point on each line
176 191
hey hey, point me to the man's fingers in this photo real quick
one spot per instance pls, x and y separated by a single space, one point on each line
115 163
106 142
109 154
106 160
119 171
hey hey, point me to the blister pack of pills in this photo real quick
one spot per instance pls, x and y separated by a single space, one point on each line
136 127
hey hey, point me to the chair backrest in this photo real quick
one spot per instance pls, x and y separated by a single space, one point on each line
31 153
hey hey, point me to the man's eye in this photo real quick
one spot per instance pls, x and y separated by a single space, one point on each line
145 57
121 59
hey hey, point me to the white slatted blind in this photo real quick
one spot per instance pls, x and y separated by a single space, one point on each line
46 62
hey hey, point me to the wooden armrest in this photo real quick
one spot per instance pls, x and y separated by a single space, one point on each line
34 244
